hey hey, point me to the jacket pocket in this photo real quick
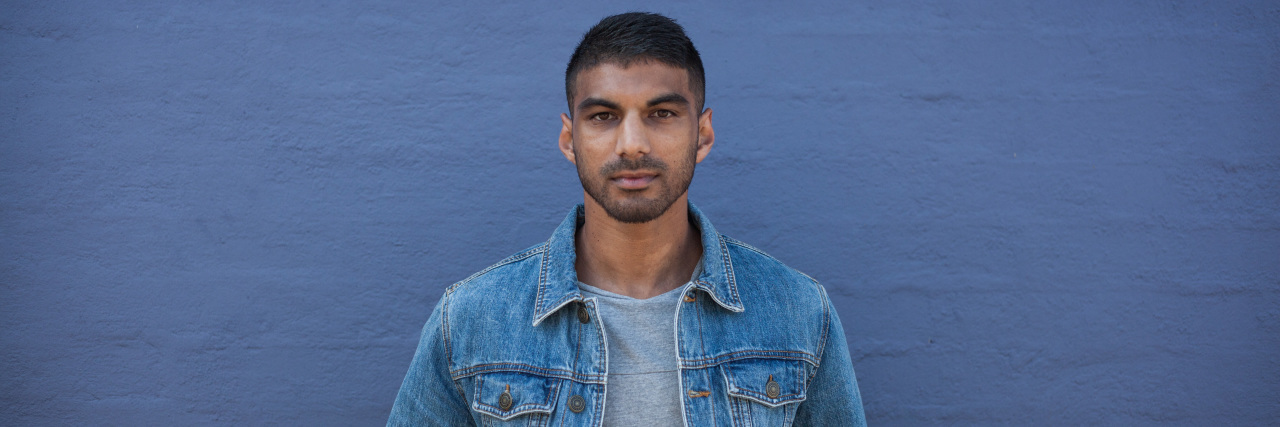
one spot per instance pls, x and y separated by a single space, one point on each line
763 391
516 397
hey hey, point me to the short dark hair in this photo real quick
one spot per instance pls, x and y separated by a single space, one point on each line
637 36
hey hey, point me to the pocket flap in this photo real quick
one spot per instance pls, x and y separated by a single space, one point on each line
506 395
771 382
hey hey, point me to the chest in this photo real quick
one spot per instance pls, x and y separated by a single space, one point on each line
725 368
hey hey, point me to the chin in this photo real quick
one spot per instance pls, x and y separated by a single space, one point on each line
636 211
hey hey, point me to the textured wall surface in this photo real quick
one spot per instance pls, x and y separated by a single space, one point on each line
1027 213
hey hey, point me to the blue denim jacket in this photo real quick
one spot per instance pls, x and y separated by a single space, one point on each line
517 344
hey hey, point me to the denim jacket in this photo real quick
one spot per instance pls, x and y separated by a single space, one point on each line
517 344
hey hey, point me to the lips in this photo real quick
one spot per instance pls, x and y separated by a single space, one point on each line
633 180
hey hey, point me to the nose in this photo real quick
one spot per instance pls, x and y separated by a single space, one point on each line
633 138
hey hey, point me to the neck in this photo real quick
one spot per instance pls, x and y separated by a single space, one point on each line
637 260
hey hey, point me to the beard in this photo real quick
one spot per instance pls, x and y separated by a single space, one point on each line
630 207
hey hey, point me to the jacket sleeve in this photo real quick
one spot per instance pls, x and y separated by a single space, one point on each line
429 396
833 397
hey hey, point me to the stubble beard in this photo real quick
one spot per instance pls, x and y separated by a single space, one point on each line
636 209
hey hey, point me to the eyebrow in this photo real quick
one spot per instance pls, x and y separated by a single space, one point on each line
596 102
672 97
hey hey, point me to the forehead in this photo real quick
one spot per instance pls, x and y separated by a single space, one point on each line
638 81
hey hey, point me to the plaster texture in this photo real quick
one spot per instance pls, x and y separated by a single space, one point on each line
1027 213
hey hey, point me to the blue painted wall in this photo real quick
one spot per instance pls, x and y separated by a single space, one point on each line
1027 213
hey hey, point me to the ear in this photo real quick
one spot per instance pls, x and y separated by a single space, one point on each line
706 135
566 138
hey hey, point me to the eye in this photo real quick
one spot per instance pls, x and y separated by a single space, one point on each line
599 117
664 114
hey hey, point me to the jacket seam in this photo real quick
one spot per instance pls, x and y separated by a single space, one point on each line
702 343
826 323
509 260
524 368
444 331
542 284
747 246
740 243
826 332
748 354
728 267
518 410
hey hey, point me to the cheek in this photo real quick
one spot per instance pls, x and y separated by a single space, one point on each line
592 150
586 157
581 154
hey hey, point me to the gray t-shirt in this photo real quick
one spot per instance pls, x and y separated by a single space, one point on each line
644 379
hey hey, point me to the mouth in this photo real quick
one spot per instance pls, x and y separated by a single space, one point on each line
637 180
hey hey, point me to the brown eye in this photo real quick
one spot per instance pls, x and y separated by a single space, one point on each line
664 114
601 116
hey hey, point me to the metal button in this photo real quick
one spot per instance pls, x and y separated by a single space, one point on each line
583 315
577 403
504 401
772 389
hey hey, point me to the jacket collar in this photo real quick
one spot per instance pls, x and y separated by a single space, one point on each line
558 279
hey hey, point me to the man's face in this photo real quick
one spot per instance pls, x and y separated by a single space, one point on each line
635 136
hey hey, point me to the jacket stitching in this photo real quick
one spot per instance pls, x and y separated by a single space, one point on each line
728 267
518 367
746 246
737 412
509 260
759 353
747 354
542 284
525 368
706 374
826 324
444 330
577 350
546 401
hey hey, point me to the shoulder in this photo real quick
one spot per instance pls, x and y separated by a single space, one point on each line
755 271
768 287
496 285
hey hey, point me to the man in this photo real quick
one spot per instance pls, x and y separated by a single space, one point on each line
636 310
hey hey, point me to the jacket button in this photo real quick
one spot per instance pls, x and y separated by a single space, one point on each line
772 389
577 403
504 401
583 315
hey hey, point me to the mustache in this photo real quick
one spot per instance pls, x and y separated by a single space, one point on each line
645 162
